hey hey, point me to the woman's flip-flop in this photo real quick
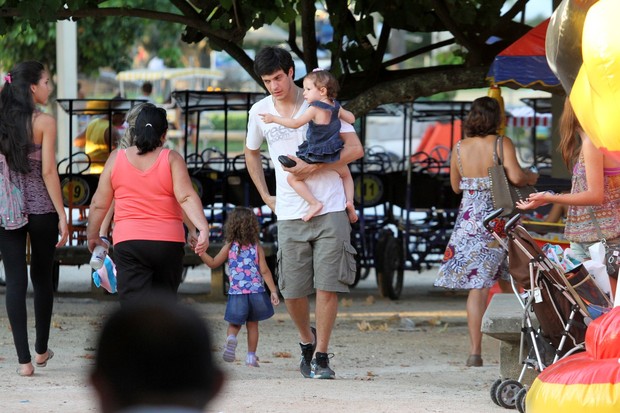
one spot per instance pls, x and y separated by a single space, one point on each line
50 355
20 372
474 360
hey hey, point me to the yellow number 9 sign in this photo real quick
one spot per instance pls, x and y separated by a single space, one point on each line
75 191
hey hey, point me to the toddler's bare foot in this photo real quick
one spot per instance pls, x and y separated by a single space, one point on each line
314 209
350 208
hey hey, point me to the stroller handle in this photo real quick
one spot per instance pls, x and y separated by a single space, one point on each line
487 220
512 222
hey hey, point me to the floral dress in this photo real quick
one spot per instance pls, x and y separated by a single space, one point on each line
473 257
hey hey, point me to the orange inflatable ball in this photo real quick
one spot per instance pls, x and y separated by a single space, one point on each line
587 382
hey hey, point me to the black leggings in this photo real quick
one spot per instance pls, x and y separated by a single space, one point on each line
147 267
43 231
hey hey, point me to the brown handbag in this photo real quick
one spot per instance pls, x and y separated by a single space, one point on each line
505 195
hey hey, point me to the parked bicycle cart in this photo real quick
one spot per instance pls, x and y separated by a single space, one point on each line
417 204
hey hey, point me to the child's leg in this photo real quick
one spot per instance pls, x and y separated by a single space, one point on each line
302 189
252 327
251 359
231 342
349 191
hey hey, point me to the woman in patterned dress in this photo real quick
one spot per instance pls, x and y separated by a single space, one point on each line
473 259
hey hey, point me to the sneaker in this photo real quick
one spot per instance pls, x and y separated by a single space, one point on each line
251 360
229 349
307 351
319 367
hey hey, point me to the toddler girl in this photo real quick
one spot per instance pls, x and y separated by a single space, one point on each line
248 302
323 142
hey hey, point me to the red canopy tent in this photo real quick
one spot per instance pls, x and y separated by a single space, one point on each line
523 64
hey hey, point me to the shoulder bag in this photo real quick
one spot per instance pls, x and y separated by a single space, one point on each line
12 214
505 195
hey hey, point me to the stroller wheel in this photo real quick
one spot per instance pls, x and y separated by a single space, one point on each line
507 393
494 387
520 402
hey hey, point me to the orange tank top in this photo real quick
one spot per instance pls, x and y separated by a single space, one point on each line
145 207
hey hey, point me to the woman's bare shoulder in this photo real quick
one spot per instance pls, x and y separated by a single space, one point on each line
43 120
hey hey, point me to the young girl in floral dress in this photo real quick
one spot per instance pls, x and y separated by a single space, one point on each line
248 301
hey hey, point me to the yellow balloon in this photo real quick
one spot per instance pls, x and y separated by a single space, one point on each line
595 95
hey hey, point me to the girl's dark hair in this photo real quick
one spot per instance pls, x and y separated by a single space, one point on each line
323 78
570 141
242 226
484 117
270 59
16 108
151 125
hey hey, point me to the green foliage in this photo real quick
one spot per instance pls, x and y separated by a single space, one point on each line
363 59
236 121
450 58
102 42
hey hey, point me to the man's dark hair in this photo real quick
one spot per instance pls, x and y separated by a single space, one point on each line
270 59
157 352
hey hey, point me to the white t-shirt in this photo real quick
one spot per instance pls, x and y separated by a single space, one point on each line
325 185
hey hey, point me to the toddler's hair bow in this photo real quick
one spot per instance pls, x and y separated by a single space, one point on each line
318 69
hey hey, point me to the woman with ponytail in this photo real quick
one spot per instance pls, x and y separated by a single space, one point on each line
151 189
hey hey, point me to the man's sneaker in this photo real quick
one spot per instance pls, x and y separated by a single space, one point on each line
319 367
307 351
229 349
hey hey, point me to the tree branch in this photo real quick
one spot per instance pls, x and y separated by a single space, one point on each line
443 14
308 34
418 52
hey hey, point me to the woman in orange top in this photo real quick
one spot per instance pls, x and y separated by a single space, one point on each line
151 189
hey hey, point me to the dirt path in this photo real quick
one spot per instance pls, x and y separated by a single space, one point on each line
389 356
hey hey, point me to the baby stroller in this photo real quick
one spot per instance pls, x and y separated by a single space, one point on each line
563 302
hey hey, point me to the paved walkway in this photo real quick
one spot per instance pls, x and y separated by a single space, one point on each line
389 355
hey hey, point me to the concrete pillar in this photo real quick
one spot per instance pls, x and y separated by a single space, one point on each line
66 64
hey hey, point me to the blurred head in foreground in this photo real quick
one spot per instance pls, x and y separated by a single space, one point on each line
152 354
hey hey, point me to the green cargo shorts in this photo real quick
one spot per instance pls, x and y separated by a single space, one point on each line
315 255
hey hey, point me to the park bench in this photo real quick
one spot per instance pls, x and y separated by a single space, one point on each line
502 320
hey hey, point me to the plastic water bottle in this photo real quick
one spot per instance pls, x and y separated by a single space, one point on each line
99 254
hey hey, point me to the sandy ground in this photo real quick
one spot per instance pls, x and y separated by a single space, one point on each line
389 356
